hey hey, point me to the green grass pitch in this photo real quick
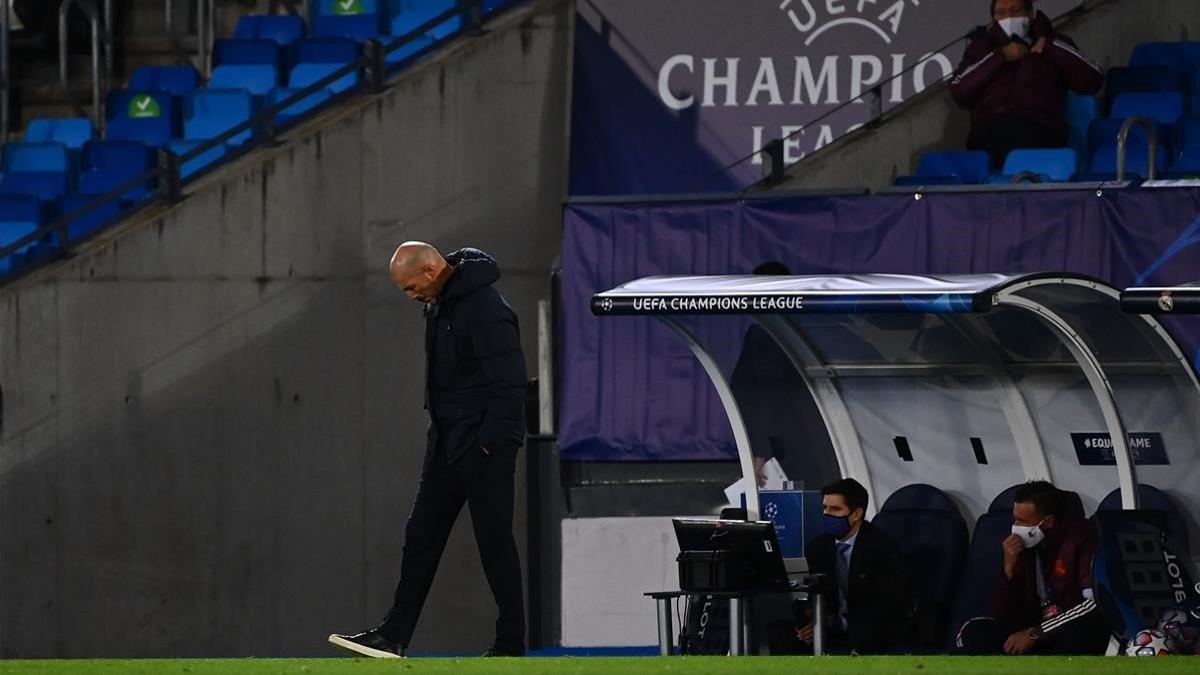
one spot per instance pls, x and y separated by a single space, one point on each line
625 666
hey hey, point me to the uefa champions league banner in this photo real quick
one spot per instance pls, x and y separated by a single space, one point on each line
629 388
669 93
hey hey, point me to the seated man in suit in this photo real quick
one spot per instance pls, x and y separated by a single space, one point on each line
869 606
1043 601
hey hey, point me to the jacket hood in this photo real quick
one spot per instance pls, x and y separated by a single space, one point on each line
473 269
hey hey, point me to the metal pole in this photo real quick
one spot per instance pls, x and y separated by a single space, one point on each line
4 84
95 69
545 369
211 36
202 36
818 622
736 648
664 627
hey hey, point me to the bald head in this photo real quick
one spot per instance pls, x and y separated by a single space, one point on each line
419 270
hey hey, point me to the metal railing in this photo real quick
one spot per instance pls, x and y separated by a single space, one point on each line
1151 146
102 41
55 237
5 79
775 169
206 20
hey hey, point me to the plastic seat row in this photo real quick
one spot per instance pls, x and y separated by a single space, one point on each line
958 574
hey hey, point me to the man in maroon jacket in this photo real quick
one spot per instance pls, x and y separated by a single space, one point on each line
1043 600
1014 78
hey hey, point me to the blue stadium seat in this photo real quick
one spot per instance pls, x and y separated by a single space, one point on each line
1152 499
408 15
20 216
1105 161
971 166
1187 133
209 113
1151 79
283 30
326 50
1165 107
259 80
72 132
1081 112
1184 56
151 117
1053 165
94 219
359 20
927 525
299 108
1104 132
107 164
1186 166
927 181
317 58
177 80
1195 87
246 52
39 169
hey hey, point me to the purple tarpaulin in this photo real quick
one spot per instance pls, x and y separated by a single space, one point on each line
630 390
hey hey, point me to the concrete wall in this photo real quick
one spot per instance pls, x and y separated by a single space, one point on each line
212 423
931 121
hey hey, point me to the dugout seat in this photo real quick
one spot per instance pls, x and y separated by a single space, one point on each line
1153 500
928 527
1137 570
974 598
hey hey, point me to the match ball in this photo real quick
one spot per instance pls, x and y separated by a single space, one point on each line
1150 643
1179 628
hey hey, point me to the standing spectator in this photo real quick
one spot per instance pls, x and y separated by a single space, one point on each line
1014 79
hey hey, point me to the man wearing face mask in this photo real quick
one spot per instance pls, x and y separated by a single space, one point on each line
869 603
1043 600
1014 78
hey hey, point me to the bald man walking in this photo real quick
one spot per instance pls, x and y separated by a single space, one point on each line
475 393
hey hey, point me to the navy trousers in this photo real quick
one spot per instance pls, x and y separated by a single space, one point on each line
484 483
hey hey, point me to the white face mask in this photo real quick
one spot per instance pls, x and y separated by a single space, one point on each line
1031 535
1016 25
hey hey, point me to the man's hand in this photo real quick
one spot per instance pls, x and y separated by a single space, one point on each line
1012 550
1039 46
805 633
759 463
1019 643
1015 51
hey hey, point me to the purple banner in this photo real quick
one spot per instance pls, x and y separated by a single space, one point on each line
629 389
668 94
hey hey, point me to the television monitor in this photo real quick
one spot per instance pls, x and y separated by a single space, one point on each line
753 544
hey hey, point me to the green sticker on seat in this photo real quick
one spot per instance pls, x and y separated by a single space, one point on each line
143 106
347 7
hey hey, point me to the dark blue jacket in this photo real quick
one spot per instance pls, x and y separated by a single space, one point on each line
474 367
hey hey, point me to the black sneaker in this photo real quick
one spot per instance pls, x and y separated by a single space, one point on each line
496 651
370 643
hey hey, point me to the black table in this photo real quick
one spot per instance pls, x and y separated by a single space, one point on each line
739 603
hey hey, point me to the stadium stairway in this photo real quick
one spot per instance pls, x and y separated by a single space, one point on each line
208 399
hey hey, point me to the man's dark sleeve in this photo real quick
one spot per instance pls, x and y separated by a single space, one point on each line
496 340
1008 596
1082 76
980 64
